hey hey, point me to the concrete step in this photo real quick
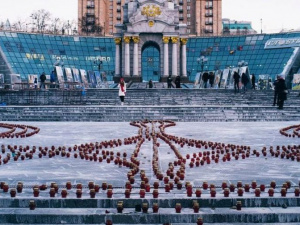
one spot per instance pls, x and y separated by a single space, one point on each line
142 97
165 215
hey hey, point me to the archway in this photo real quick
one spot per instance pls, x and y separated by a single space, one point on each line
150 61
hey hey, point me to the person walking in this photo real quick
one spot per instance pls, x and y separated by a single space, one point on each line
211 79
253 81
150 84
282 92
169 81
245 81
275 83
43 78
205 78
122 90
177 82
236 78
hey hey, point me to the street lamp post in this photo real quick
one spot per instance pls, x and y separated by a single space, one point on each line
201 61
242 63
98 62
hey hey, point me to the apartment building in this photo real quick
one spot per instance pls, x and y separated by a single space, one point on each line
202 17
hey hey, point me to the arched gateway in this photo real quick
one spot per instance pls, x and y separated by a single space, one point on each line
150 61
151 43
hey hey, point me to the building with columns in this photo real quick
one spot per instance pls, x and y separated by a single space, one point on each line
202 17
151 31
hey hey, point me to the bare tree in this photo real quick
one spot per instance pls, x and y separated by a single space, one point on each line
19 25
40 19
55 25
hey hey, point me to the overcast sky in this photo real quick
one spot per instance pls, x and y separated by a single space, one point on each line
275 14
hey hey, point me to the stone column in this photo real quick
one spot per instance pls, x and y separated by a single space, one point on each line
166 56
127 56
117 63
183 56
174 56
136 41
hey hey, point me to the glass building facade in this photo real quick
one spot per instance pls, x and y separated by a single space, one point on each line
35 53
26 53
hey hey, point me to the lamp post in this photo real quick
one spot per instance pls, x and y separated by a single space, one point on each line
201 61
98 62
261 26
241 64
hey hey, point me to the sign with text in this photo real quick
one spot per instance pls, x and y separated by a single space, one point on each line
282 43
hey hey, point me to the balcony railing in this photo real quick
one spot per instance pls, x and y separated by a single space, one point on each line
208 7
207 31
90 6
209 14
209 23
90 14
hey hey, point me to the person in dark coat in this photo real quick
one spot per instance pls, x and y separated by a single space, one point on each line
177 82
43 78
253 81
236 78
245 81
211 78
205 79
150 84
275 101
169 81
282 92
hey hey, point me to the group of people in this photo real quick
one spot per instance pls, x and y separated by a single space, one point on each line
280 92
280 89
209 78
43 78
169 82
244 80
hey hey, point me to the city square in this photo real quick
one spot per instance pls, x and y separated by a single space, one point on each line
149 112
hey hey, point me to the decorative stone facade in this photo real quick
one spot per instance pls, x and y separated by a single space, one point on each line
152 24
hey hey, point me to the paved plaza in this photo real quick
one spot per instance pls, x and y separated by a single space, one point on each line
61 169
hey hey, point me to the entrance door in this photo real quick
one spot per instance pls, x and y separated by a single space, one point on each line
150 62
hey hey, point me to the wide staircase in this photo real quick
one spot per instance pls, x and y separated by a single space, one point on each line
174 207
153 104
177 210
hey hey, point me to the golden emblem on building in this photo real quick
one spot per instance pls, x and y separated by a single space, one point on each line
151 11
151 23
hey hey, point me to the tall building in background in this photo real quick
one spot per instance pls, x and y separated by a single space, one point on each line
202 17
98 17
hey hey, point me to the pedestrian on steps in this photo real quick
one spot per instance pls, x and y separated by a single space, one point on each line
122 90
